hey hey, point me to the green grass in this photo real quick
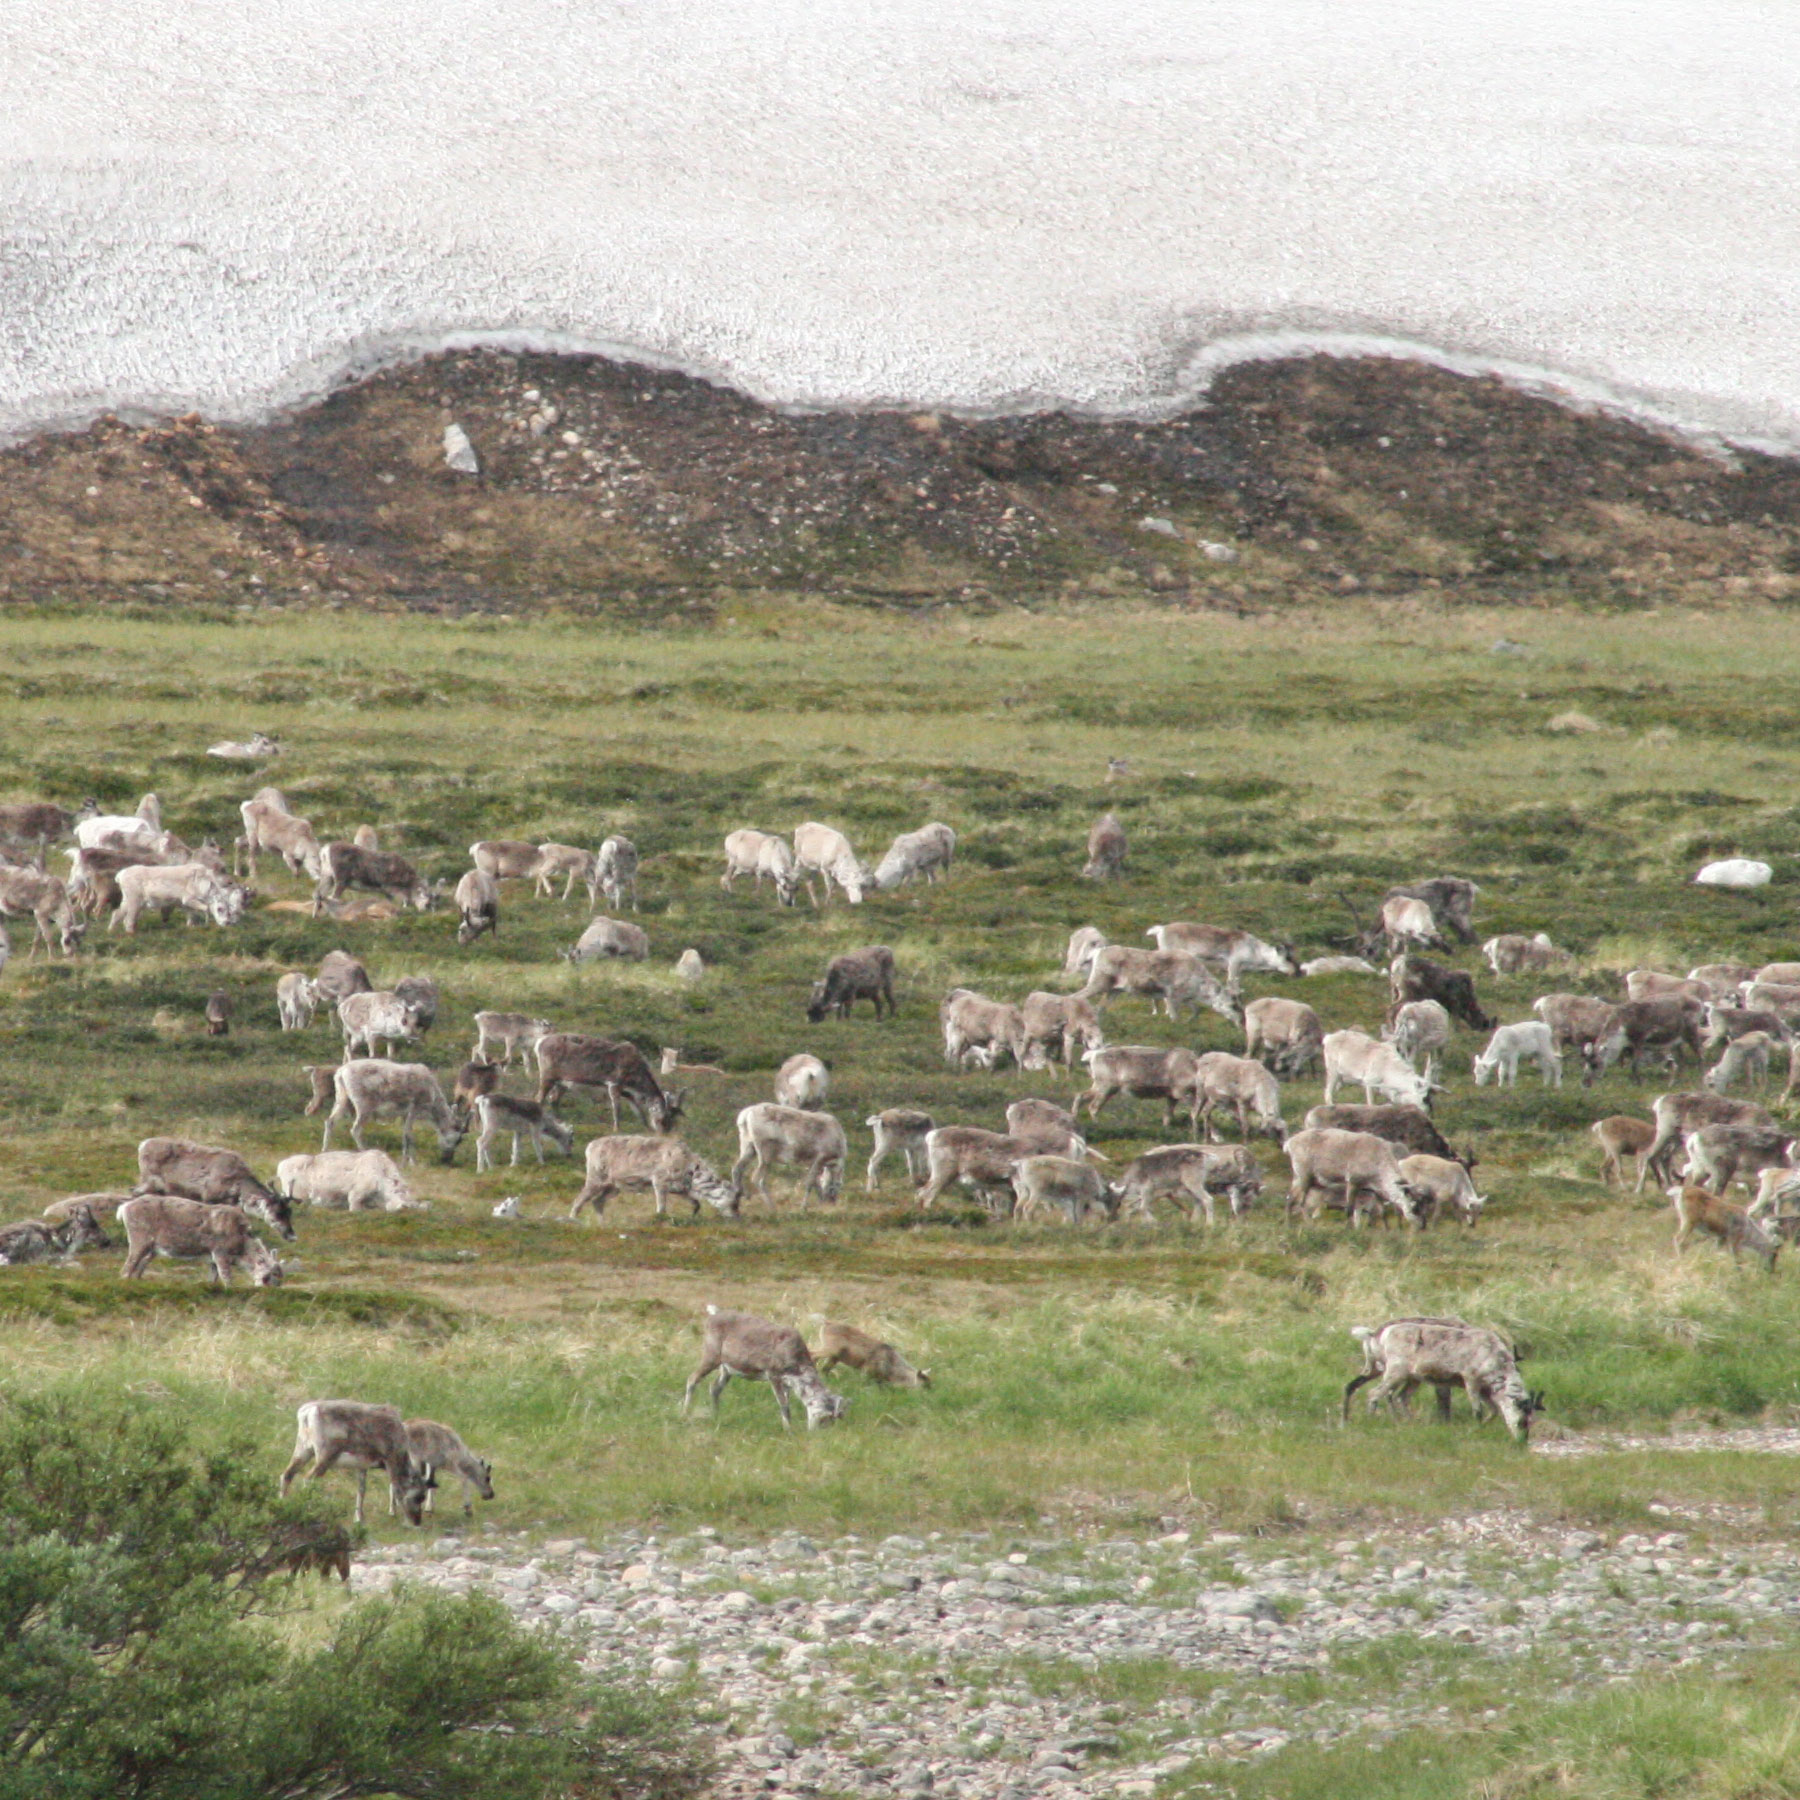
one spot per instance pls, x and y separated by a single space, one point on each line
1652 1738
1123 1374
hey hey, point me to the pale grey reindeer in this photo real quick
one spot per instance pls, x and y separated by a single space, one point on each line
754 1349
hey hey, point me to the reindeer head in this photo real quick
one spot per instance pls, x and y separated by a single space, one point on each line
85 1231
1598 1055
272 1209
264 1265
823 1407
411 1486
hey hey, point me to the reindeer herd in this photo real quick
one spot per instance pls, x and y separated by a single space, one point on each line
1384 1157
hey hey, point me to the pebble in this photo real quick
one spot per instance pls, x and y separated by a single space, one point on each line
922 1611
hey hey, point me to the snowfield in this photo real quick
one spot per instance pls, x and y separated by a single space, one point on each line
230 204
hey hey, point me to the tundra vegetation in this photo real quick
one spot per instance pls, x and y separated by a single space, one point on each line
1111 1374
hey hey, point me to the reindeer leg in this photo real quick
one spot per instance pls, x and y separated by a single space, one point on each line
1350 1388
694 1380
301 1456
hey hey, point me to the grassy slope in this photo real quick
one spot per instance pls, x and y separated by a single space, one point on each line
1134 1372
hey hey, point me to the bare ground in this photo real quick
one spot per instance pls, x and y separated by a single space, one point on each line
611 487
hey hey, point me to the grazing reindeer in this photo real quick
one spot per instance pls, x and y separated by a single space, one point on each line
571 863
802 1081
566 1059
436 1449
164 1225
1188 1174
1106 850
616 871
1619 1137
35 1240
361 1437
866 974
296 999
1406 1353
476 1077
880 1362
496 1113
371 1086
663 1165
46 899
511 1031
900 1130
760 853
769 1134
755 1349
477 905
1697 1210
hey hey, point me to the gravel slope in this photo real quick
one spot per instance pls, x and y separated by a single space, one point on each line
905 1659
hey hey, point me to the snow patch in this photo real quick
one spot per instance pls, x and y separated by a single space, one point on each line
233 206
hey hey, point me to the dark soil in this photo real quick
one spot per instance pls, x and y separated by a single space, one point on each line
633 491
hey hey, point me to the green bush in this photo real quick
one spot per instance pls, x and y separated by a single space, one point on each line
144 1652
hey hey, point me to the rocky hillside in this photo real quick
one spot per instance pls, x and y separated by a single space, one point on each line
603 485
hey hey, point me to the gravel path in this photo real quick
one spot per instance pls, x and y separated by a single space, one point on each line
977 1666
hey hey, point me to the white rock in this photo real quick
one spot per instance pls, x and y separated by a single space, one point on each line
459 453
690 965
1217 552
1735 872
1162 527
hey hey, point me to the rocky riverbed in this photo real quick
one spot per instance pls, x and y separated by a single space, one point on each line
977 1666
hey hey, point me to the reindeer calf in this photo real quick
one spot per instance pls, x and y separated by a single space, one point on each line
1619 1137
1697 1210
880 1362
